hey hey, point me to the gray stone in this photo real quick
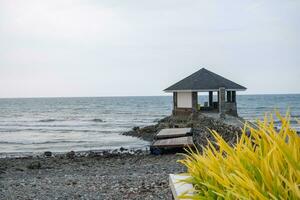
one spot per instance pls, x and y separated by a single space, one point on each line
34 165
48 153
71 155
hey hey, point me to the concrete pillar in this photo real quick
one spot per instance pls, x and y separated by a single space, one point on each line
234 110
229 99
222 102
195 101
210 98
174 100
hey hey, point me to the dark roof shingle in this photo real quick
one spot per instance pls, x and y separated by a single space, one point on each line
204 80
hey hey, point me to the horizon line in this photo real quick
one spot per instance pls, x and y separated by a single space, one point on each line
109 96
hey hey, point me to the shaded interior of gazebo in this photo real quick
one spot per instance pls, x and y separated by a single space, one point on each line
211 105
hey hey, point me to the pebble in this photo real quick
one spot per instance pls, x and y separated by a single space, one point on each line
102 177
34 165
48 153
71 155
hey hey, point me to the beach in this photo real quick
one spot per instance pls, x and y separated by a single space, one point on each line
108 99
121 176
114 174
70 158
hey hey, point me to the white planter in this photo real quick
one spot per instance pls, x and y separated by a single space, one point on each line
178 188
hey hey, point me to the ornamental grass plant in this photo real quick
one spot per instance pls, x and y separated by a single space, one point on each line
263 164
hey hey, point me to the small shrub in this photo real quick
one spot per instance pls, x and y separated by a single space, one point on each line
264 164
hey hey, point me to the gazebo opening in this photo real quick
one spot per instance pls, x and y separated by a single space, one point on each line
208 101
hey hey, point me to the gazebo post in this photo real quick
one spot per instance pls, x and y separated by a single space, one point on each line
210 98
195 101
222 102
229 96
174 102
233 97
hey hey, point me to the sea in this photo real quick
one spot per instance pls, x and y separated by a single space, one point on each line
35 125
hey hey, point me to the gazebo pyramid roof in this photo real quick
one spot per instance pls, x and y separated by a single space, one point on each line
204 80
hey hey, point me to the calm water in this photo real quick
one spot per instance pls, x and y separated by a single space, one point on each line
64 124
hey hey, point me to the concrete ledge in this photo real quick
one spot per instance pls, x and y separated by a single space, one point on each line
178 188
174 142
182 111
173 132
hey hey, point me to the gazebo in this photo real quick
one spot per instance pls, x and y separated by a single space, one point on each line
185 94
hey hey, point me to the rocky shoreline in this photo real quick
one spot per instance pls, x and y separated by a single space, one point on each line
201 126
117 174
93 176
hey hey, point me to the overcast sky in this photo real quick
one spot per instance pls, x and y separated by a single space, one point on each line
122 48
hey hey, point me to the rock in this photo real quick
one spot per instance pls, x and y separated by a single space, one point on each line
19 169
92 154
149 129
97 120
48 153
34 165
3 168
138 151
71 155
202 124
123 149
136 128
71 182
115 151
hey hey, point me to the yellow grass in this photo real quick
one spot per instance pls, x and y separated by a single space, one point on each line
264 165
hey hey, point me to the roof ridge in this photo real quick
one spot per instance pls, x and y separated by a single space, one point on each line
211 74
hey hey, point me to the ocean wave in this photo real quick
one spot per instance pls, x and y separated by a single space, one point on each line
49 120
51 130
46 126
292 121
55 120
46 142
97 120
296 116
